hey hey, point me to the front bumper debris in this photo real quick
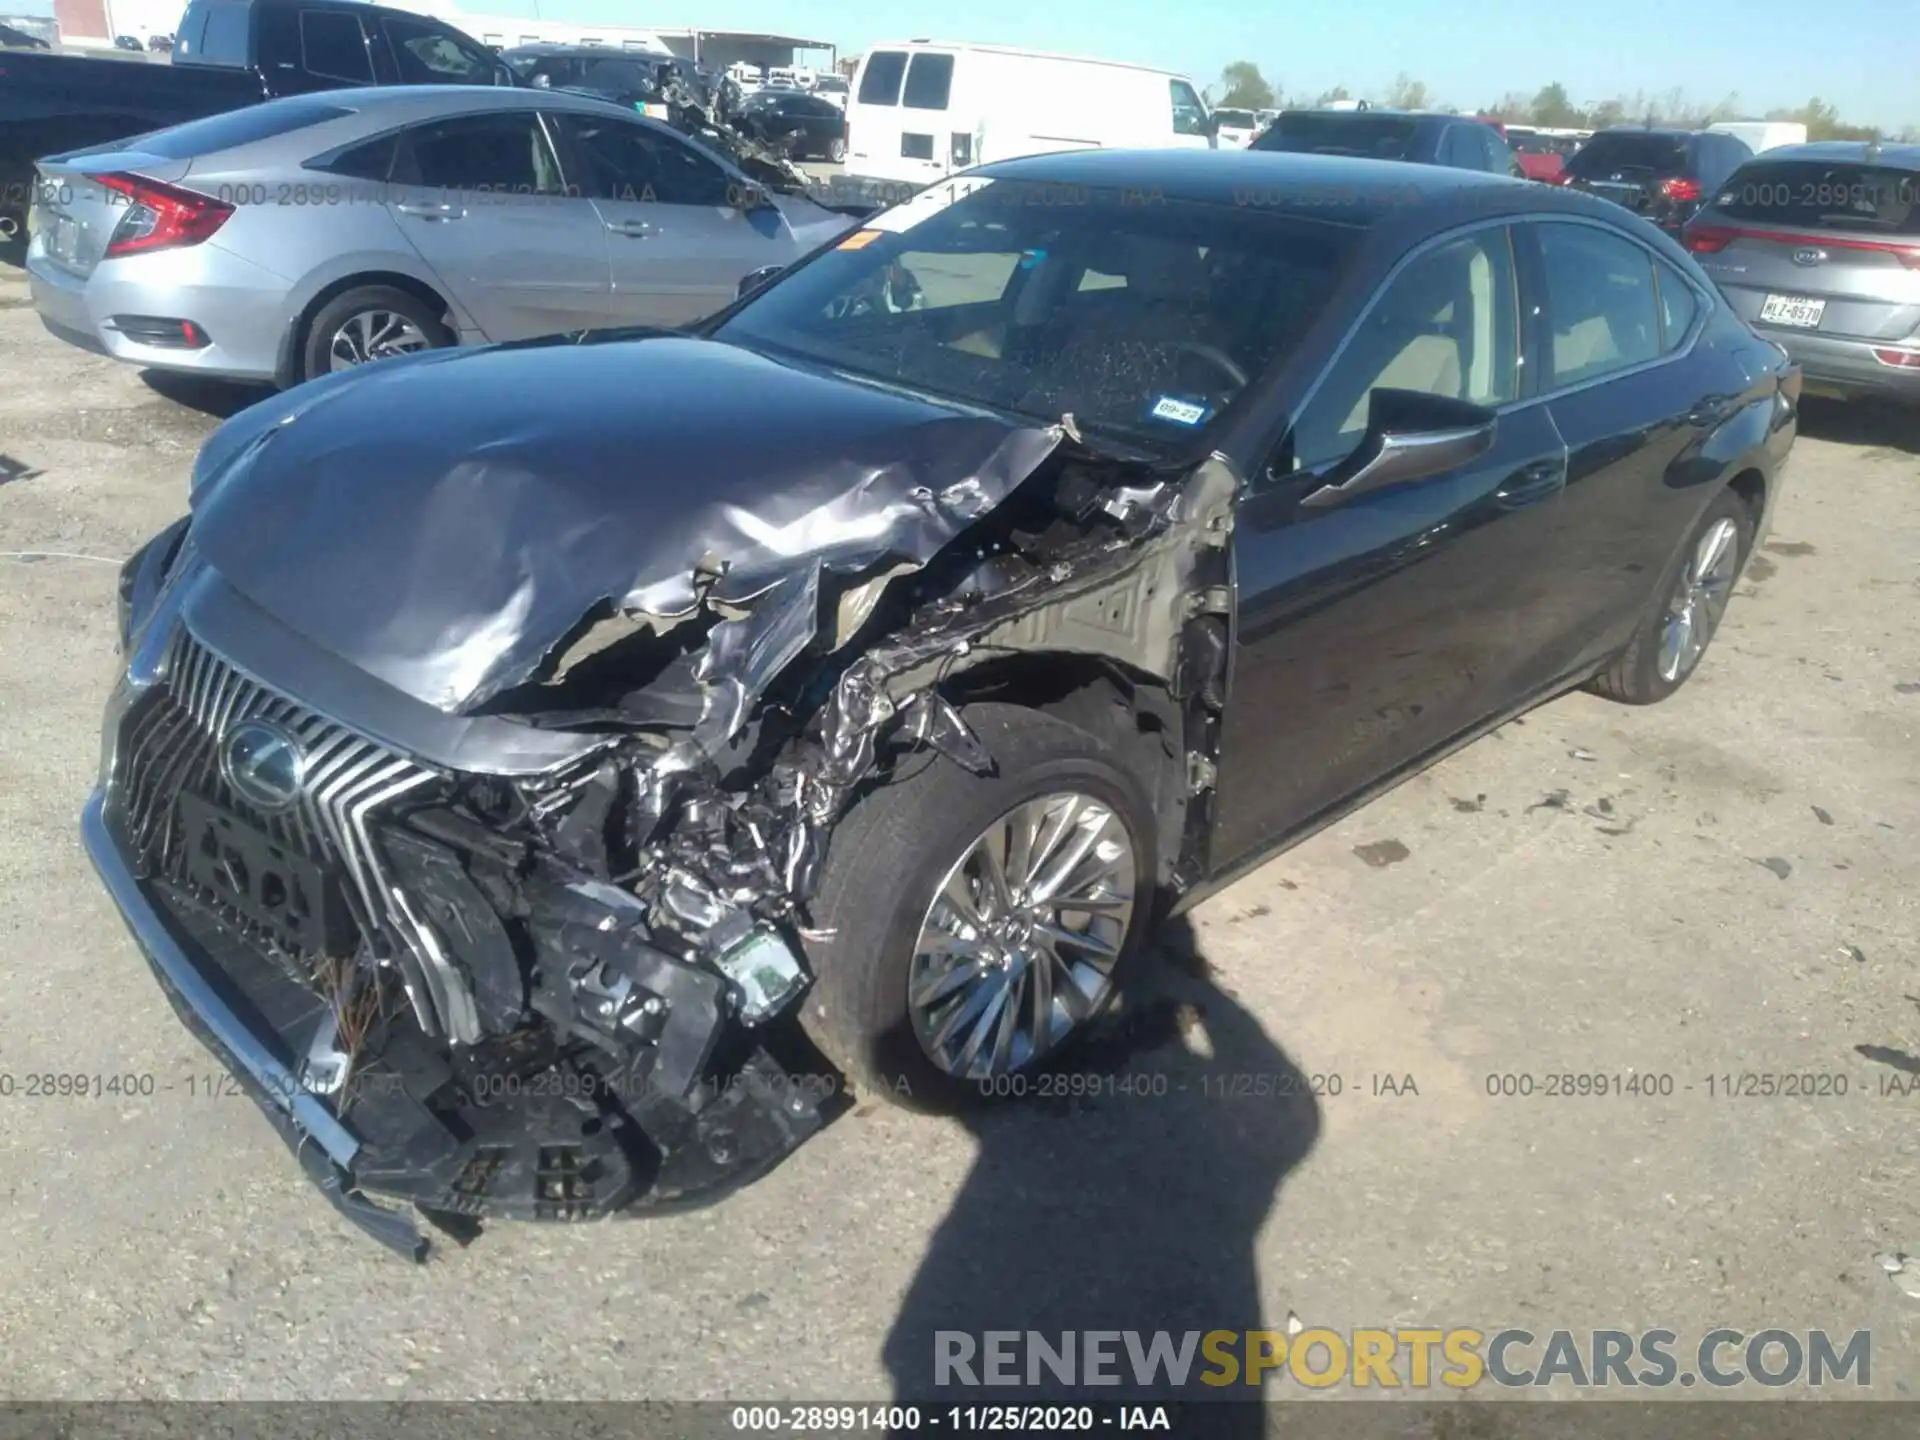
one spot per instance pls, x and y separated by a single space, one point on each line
555 1144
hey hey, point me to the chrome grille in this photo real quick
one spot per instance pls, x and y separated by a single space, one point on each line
171 743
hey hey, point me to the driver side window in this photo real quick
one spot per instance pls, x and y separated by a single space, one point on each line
1447 324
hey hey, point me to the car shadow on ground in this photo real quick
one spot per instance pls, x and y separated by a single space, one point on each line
1133 1206
1877 423
222 399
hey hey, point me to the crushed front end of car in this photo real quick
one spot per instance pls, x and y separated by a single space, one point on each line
468 803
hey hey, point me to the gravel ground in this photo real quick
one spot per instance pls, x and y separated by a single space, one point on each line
1723 885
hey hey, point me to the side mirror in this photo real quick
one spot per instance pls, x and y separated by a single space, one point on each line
1410 436
754 279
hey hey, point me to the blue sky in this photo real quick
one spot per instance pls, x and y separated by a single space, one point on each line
1856 54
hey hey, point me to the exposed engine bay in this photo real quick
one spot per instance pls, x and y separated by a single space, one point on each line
556 989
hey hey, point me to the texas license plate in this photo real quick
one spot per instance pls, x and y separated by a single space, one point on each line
1792 310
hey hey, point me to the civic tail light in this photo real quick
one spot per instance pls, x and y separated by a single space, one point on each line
1707 239
1680 189
159 216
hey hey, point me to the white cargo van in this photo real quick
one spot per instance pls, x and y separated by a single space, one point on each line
922 109
1762 134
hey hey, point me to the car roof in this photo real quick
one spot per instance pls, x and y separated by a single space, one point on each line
1897 155
401 103
1670 132
1324 187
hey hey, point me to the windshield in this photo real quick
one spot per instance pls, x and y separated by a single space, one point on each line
1382 137
1144 321
1658 154
1235 119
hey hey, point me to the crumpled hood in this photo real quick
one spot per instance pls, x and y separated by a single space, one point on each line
443 521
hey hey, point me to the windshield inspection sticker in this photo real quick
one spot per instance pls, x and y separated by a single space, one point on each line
1174 410
859 240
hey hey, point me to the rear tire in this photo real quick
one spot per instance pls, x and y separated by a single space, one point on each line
837 152
902 849
1664 651
378 321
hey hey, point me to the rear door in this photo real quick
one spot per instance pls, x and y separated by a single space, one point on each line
484 202
873 116
1635 396
927 133
678 238
1817 247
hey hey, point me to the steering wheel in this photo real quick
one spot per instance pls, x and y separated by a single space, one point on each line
1216 357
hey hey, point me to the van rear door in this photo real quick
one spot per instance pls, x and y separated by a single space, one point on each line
901 123
873 115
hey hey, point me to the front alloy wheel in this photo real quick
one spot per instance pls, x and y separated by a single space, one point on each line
1017 949
968 927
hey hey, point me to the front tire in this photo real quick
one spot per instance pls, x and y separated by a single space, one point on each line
368 323
976 924
1686 612
837 152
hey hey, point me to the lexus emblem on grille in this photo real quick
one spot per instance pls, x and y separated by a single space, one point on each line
263 763
1809 256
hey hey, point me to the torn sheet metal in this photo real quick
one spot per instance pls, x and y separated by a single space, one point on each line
526 488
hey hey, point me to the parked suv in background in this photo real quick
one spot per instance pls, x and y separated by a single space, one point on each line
1818 248
1663 175
1458 141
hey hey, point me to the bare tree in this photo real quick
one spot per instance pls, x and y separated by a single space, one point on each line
1408 93
1243 87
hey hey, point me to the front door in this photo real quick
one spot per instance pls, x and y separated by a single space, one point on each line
482 199
1372 633
680 231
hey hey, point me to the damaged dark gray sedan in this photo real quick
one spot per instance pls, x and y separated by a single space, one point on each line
515 742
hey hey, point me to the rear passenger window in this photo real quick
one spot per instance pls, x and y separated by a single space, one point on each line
929 82
331 45
880 81
490 154
225 40
371 161
1189 114
636 164
1601 307
1679 303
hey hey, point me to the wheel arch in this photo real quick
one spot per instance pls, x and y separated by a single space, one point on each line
1135 713
293 341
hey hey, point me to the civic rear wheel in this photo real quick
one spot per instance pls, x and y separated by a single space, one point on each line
373 322
974 925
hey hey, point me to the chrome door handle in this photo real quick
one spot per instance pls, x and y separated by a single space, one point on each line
632 229
430 210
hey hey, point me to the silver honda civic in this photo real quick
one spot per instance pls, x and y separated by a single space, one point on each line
297 237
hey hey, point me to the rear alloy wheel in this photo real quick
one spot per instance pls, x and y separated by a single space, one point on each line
837 152
375 322
968 927
1675 633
